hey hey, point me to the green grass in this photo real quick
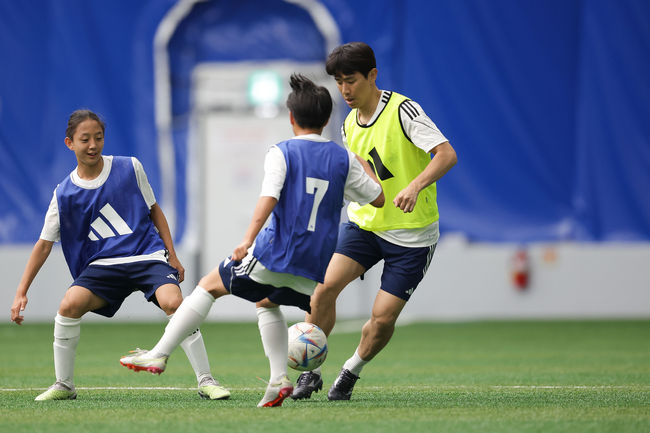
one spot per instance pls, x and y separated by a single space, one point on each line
556 376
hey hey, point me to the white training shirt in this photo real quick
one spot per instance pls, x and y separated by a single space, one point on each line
359 187
52 228
425 135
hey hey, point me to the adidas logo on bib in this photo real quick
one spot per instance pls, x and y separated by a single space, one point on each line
113 226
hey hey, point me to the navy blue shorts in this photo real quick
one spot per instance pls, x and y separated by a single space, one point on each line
236 280
115 282
404 267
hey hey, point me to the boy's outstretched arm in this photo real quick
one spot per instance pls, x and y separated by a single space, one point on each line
263 209
159 220
40 253
379 201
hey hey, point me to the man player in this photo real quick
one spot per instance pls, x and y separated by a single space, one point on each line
409 155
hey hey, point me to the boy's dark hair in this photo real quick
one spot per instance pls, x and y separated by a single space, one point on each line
310 104
349 58
79 116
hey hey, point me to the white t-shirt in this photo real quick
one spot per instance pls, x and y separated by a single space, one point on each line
359 187
425 135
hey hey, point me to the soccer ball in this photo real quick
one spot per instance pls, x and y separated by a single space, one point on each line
307 346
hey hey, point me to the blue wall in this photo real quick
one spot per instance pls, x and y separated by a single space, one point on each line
547 103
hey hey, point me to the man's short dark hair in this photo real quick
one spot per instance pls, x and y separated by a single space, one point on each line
310 104
350 58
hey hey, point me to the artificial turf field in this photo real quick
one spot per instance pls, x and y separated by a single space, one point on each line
514 376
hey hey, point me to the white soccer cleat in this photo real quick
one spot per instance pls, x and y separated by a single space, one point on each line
211 390
141 360
58 391
276 393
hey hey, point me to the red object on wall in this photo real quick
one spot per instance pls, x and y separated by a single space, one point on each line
520 269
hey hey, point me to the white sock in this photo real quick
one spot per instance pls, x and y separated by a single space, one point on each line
66 338
355 364
273 330
194 348
191 313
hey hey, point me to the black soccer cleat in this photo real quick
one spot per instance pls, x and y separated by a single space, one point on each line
307 383
343 385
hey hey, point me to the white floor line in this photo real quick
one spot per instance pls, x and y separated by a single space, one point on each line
371 388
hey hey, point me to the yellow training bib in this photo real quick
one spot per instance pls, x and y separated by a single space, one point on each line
397 161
